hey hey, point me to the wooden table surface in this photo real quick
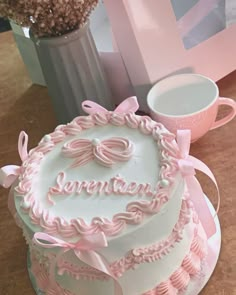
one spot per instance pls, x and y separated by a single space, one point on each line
24 106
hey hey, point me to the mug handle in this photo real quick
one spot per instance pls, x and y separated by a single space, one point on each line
225 101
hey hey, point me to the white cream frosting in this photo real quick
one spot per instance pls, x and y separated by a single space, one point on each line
135 282
140 169
146 275
143 166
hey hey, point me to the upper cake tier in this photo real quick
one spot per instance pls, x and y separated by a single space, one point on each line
103 172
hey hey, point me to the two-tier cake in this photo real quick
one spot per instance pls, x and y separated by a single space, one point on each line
104 207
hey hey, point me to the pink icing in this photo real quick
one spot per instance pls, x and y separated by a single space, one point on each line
132 121
198 247
106 152
85 122
57 136
71 129
135 211
43 147
115 186
41 276
145 125
100 119
85 273
180 279
192 263
137 256
117 119
165 288
177 282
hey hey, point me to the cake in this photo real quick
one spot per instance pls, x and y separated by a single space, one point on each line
105 209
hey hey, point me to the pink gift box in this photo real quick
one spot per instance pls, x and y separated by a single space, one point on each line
155 39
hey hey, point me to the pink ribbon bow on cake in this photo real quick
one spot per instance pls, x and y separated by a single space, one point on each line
128 105
187 165
9 173
85 250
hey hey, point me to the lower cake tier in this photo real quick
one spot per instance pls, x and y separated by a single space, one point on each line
159 270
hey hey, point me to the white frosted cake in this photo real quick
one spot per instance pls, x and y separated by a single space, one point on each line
105 209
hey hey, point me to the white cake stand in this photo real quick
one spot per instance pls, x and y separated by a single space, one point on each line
196 284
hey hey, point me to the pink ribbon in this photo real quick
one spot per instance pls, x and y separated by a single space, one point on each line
9 173
187 165
128 105
84 249
106 152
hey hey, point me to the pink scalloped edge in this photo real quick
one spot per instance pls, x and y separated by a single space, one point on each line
178 281
190 267
136 256
135 211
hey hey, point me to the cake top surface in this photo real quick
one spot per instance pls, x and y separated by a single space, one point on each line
73 175
100 172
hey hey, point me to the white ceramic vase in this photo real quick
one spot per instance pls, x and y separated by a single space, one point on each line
73 72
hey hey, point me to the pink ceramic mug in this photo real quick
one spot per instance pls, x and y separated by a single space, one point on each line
188 101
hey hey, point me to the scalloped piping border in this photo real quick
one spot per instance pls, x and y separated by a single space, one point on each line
135 211
177 282
136 256
190 267
132 258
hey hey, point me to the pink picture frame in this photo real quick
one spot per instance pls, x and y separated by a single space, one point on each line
150 42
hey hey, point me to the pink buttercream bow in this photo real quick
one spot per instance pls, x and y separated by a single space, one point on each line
84 249
128 105
187 165
106 152
9 173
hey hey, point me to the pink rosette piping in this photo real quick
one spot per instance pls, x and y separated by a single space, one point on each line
117 119
72 129
132 121
192 263
146 125
198 247
86 122
180 279
101 119
165 288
